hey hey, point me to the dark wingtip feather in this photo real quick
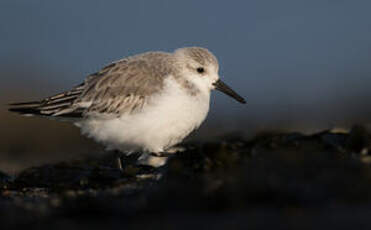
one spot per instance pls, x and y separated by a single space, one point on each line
36 111
24 103
54 106
23 110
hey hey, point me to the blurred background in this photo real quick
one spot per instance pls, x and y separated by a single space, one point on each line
302 65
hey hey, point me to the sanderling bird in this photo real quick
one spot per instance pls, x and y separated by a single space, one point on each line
145 103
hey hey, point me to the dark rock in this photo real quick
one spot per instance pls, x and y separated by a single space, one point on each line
358 139
4 180
292 180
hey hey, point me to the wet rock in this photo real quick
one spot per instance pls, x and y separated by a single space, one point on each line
358 140
301 179
67 176
4 180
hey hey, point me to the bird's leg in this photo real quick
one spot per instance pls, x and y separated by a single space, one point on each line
119 160
176 149
169 152
152 159
162 154
119 164
157 159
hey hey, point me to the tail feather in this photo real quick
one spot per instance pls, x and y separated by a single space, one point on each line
24 103
60 105
25 111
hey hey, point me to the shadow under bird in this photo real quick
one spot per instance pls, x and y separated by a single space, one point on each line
145 103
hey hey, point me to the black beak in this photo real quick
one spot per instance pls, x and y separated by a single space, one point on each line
222 87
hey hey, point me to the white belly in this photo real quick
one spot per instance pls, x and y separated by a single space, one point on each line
166 121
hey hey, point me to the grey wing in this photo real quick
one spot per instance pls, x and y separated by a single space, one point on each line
121 87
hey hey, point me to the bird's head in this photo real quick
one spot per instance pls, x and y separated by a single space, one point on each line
201 67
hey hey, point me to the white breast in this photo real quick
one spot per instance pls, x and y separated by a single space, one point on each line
165 121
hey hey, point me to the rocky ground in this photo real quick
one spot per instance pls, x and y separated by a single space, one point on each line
275 180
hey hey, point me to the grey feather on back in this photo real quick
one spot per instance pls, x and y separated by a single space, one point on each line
126 85
122 87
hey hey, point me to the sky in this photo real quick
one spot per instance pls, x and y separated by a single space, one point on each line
300 64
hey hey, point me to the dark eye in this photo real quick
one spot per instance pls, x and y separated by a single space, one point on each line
200 70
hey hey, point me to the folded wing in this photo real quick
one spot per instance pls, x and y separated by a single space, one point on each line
121 87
